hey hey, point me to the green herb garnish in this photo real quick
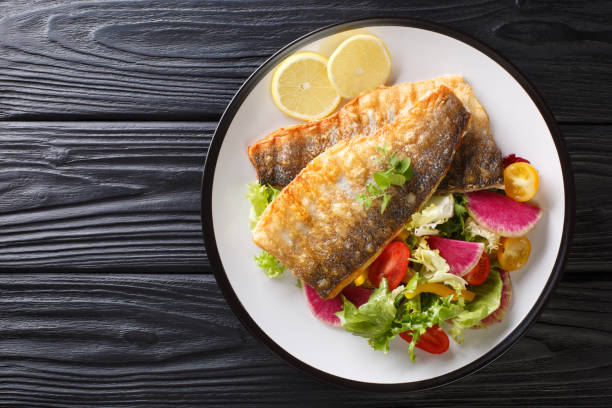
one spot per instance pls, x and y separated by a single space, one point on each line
398 172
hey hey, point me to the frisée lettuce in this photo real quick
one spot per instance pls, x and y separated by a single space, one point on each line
491 239
260 197
437 210
269 264
435 269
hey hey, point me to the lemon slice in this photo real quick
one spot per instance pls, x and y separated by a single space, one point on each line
360 63
301 88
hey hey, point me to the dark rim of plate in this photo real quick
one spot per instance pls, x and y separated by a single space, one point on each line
211 245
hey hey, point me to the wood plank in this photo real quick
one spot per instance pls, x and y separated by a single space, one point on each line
163 59
93 196
590 150
91 340
102 196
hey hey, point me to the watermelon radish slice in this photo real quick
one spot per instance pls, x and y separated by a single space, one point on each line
504 304
501 214
326 310
461 256
513 158
358 296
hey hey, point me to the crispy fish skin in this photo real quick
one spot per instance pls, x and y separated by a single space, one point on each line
318 230
281 155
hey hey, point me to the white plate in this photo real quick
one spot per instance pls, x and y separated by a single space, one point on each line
275 310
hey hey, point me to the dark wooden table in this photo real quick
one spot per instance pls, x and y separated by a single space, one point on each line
107 110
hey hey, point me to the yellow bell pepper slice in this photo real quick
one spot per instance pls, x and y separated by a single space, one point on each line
359 280
440 290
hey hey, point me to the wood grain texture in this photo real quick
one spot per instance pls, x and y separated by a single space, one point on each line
102 196
95 196
83 196
184 60
126 340
590 150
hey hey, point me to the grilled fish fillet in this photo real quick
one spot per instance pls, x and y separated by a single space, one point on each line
317 229
281 155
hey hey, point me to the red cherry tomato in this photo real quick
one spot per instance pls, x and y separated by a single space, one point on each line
434 340
479 274
391 264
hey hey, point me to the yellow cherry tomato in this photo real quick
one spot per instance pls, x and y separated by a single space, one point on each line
521 181
513 253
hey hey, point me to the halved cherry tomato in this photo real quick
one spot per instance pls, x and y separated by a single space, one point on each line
479 274
513 253
391 264
521 181
434 340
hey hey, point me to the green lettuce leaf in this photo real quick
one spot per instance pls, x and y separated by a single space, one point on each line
413 282
373 319
432 310
487 300
259 196
418 314
388 313
412 242
454 228
269 264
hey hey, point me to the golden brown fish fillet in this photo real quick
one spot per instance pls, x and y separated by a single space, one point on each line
317 229
281 155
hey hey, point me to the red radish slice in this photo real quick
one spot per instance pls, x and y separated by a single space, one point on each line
325 310
506 297
501 214
513 158
461 256
358 296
